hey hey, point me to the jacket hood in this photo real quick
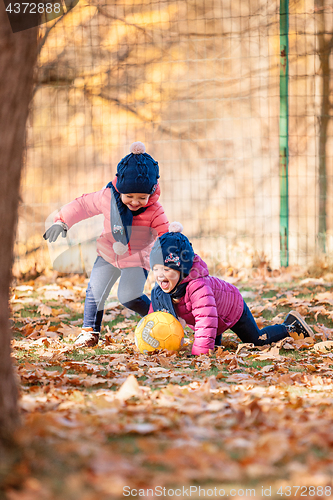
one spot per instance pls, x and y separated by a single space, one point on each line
153 198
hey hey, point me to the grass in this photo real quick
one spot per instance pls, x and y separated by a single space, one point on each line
269 294
114 323
82 354
54 368
125 443
257 364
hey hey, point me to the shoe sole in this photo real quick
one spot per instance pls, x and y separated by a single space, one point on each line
86 345
304 325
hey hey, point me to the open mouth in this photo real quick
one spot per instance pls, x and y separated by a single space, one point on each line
164 284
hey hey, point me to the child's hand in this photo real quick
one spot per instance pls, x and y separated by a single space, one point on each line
53 232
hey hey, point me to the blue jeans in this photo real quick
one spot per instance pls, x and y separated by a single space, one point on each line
247 330
130 291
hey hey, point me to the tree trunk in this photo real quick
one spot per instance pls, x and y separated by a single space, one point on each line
18 54
324 51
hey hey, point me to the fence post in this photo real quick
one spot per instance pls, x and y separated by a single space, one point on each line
283 142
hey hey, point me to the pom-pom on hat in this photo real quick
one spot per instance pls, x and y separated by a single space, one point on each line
173 249
137 172
137 148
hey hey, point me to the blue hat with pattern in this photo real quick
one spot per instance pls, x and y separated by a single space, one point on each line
137 172
173 249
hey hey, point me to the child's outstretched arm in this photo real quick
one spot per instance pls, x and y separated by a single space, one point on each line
83 207
53 232
205 314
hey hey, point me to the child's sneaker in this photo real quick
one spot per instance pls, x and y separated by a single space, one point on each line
87 338
296 326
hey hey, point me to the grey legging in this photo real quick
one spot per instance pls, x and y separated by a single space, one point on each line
130 291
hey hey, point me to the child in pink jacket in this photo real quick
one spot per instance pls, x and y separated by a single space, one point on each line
133 218
208 305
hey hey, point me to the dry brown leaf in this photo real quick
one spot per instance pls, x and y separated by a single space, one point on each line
69 330
305 343
57 312
128 389
42 341
34 335
27 329
127 312
272 446
164 362
326 333
323 347
221 353
233 365
302 310
44 310
324 297
93 380
51 334
260 415
239 377
319 310
273 353
244 348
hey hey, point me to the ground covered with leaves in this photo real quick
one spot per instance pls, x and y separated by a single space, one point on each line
108 422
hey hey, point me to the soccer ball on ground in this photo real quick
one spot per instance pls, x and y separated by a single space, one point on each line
159 330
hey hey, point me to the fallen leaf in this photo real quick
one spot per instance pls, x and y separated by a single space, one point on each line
164 362
69 330
128 389
323 346
273 353
233 365
326 333
44 310
42 341
305 343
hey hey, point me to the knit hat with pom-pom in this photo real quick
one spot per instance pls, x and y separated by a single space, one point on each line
173 249
137 172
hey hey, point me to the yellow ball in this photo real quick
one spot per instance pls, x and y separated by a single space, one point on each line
159 330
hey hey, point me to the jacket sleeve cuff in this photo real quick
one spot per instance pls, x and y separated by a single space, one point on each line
62 224
197 350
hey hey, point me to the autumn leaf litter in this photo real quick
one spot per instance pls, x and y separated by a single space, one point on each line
240 415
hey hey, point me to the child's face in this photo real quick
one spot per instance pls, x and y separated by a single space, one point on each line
166 277
134 201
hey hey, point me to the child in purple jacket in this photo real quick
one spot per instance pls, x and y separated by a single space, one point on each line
208 305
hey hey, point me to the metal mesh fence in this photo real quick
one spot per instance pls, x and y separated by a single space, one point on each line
198 82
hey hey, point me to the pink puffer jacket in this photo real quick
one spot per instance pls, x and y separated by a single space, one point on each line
210 306
145 227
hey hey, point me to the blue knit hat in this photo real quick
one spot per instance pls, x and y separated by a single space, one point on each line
137 172
173 249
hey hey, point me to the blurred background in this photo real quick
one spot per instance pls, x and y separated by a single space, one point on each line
198 81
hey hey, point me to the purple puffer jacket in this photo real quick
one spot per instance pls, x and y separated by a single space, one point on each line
210 306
